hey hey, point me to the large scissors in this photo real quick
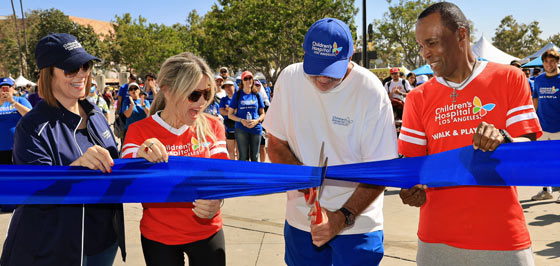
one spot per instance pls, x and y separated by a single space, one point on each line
315 192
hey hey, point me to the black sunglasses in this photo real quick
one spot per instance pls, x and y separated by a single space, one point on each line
195 95
223 71
247 78
133 88
70 74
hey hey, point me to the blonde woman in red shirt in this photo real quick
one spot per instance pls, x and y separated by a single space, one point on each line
177 126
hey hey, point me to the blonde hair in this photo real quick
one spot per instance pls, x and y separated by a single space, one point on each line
45 88
180 75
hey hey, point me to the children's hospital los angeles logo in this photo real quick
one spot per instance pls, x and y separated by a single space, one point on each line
462 112
325 49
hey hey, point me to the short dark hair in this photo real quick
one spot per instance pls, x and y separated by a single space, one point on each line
132 77
451 15
550 53
150 74
515 63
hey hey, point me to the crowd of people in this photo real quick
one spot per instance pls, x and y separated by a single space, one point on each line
325 102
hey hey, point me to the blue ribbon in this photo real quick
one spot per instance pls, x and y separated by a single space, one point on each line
182 179
185 179
515 164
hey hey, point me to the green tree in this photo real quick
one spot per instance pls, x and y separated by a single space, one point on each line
9 56
394 38
554 39
54 20
517 39
39 24
264 35
142 46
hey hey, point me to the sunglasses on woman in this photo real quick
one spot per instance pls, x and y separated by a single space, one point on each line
195 95
247 78
72 73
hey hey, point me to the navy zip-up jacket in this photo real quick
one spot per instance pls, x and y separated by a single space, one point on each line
53 234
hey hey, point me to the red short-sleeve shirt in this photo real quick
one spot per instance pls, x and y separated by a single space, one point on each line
175 223
470 217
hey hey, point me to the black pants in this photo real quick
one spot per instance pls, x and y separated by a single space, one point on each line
6 157
210 251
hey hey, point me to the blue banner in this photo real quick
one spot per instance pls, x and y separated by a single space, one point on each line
185 179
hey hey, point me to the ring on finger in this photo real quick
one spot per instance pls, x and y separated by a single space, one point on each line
211 215
148 146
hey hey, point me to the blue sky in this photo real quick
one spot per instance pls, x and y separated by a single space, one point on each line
486 15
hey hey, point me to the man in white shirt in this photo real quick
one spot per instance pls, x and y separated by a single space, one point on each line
329 99
397 88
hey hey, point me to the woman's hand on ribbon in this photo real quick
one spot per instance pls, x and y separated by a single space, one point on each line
95 158
414 196
487 137
206 209
153 151
333 223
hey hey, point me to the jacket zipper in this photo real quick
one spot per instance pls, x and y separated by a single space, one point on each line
83 205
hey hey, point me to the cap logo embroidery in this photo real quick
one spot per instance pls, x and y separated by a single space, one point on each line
336 49
325 49
72 45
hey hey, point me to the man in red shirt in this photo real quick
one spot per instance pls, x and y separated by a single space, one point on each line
469 102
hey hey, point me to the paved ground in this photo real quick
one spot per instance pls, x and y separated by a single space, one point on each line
254 230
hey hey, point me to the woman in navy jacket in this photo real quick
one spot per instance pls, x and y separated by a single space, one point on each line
64 130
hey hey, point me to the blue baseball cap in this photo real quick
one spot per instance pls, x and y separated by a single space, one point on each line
6 81
328 47
61 50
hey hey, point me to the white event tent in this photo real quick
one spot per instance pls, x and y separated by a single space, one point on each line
541 51
22 82
484 49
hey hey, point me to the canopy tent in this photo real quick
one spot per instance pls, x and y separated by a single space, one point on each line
484 49
423 70
541 51
537 62
22 82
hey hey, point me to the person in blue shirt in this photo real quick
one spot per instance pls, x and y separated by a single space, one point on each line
229 88
150 86
12 108
123 94
247 109
546 99
267 89
527 73
135 108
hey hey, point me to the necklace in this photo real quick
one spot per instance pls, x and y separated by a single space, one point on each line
454 94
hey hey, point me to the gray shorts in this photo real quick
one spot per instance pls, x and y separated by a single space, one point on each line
443 255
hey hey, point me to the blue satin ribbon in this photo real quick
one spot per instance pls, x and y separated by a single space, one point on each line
185 179
182 179
515 164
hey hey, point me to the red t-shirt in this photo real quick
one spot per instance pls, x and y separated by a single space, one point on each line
175 223
469 217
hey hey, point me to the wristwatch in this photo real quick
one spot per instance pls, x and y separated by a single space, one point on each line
350 217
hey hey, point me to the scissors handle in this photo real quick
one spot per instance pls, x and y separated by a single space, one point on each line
318 213
313 194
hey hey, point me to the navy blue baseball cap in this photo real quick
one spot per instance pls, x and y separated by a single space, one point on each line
328 47
6 81
61 50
